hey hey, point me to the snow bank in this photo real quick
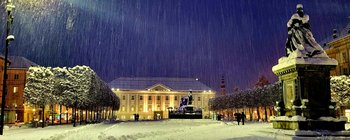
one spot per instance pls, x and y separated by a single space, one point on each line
331 119
286 118
300 118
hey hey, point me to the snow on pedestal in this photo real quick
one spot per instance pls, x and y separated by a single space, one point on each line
295 59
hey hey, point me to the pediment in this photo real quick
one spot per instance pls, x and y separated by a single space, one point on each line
159 87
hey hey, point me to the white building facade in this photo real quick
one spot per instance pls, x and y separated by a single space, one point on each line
151 98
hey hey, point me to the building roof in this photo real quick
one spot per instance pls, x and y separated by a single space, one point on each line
20 62
343 33
143 83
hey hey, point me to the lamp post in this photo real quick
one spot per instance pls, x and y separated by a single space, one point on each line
9 9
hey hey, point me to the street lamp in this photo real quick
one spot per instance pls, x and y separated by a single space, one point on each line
9 9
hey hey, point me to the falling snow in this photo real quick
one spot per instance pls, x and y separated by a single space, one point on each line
203 39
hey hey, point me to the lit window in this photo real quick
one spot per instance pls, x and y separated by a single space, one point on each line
15 89
123 108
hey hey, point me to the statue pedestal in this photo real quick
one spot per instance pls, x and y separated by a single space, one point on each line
306 98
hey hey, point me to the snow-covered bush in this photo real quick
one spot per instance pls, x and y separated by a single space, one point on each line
340 89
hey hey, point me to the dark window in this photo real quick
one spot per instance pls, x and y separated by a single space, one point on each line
166 97
158 97
132 97
16 76
175 98
123 97
199 98
141 97
149 97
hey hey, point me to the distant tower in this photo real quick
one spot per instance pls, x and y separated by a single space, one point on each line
222 86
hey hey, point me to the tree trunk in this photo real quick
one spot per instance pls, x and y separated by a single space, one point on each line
86 116
257 109
105 112
81 116
43 117
60 114
265 113
52 117
91 115
94 113
108 113
98 114
250 114
67 115
112 112
271 111
74 116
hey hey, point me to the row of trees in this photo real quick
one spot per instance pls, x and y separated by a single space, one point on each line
265 96
78 87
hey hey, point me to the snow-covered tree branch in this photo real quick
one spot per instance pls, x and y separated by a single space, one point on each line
68 86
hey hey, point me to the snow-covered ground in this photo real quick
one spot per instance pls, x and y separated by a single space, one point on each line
151 130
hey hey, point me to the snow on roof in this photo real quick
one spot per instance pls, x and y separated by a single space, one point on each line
343 33
20 62
143 83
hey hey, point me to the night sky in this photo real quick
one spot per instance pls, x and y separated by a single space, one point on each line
205 39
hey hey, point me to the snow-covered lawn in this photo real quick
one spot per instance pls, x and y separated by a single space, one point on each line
150 130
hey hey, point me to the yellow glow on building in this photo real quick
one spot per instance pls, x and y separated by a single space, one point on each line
154 101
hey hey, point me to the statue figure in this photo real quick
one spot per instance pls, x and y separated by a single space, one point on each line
190 98
300 37
187 100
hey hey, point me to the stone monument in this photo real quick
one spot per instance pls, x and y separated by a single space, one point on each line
305 77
